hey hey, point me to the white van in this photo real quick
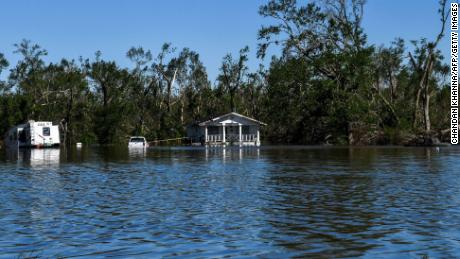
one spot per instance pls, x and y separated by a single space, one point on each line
33 134
137 142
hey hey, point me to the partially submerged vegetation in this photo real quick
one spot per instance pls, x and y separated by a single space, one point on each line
329 85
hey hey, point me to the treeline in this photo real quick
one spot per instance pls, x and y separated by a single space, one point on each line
329 85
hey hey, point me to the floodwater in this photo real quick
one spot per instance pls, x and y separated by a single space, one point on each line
389 202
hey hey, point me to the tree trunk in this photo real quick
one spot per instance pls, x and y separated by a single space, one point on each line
427 112
416 108
427 99
232 103
182 111
69 116
423 86
393 85
168 98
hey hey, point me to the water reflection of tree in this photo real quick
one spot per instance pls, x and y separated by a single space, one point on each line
318 206
351 202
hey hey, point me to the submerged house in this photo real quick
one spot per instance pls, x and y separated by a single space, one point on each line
231 128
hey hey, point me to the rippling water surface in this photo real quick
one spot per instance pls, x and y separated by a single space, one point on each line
269 202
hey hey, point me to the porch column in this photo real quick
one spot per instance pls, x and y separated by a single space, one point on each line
223 133
240 136
205 135
258 138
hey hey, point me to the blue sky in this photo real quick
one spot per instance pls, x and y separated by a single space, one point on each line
213 28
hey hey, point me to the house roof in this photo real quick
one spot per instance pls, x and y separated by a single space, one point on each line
228 121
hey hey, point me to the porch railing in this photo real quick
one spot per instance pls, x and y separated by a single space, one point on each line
214 138
232 137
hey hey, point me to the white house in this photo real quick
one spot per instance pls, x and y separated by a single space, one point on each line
231 128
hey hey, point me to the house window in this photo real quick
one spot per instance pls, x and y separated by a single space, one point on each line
245 130
46 131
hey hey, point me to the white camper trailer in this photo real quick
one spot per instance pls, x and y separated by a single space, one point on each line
33 134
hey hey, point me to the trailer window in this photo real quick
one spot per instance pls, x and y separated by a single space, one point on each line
46 131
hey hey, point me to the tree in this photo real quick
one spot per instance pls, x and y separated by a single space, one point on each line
143 85
193 83
166 72
388 64
253 92
3 64
426 60
233 73
330 39
27 75
110 84
67 100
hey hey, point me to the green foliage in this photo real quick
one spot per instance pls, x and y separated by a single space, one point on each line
232 74
327 86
